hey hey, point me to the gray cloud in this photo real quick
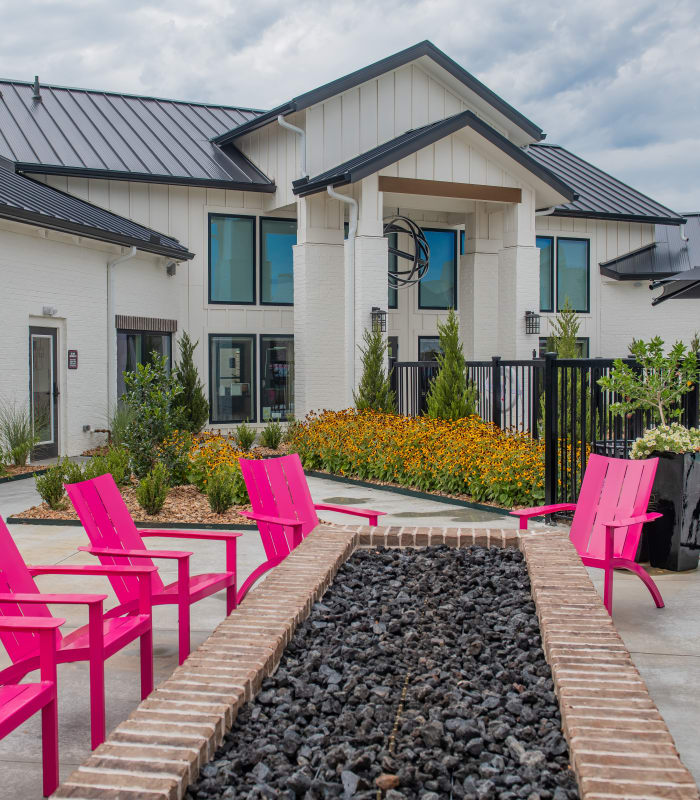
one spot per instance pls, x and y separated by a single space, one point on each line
616 83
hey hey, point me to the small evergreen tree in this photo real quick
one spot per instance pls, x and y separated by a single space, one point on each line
374 392
192 401
451 396
565 327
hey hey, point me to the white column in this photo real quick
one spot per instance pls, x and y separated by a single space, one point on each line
319 298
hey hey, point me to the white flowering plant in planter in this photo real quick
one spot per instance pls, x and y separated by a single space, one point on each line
673 438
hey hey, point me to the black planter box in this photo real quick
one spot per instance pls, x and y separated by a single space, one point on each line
676 495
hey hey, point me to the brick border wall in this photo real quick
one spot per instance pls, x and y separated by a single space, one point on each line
619 744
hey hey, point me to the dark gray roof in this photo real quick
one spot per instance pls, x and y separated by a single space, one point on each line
600 196
26 200
123 137
666 256
392 62
684 286
378 157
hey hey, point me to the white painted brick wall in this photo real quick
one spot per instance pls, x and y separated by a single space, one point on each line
370 288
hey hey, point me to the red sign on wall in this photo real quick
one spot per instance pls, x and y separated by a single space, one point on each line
72 359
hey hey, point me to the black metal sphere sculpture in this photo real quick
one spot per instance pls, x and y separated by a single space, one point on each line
418 259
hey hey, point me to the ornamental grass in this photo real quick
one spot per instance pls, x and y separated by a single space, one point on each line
462 457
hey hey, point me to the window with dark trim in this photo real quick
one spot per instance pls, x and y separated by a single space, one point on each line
462 242
546 246
573 267
231 378
140 347
438 289
276 377
231 259
428 348
277 237
393 260
582 346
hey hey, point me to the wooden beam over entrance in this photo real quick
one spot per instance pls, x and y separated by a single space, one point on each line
464 191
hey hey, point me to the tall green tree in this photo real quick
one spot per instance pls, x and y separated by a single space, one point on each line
451 396
193 403
565 327
374 392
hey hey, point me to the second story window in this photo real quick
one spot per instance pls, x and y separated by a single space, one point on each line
231 259
277 237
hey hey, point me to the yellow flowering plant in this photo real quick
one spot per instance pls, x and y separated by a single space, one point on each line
211 451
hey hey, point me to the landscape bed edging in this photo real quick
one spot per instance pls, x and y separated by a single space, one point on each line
165 525
620 746
22 475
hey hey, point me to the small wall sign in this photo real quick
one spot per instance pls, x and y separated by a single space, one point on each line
72 359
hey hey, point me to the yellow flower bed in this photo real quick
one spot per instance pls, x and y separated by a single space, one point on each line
466 457
211 451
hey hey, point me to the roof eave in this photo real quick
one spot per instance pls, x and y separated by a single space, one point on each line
75 229
633 276
564 212
142 177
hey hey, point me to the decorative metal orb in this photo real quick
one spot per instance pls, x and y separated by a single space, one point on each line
418 255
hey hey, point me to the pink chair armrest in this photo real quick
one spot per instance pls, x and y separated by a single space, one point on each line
38 597
624 523
356 512
273 520
30 623
537 511
90 569
187 534
116 553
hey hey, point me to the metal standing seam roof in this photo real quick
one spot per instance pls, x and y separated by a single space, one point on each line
667 255
28 201
600 196
416 51
389 152
122 136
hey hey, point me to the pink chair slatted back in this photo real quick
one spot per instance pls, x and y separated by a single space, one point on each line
277 487
15 578
613 488
108 523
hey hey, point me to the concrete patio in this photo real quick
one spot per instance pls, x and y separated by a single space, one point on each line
667 657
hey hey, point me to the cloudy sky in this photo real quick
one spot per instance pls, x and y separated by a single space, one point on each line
616 81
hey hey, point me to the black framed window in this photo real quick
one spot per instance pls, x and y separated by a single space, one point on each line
277 237
231 259
546 247
462 242
573 267
393 260
139 347
438 289
582 346
231 377
429 348
276 377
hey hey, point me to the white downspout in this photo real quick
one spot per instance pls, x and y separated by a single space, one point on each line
302 143
349 292
684 238
545 212
111 362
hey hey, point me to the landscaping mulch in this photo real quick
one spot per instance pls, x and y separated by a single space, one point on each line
419 675
183 504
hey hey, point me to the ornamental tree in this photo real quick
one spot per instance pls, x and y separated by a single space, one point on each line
656 383
451 396
374 392
193 404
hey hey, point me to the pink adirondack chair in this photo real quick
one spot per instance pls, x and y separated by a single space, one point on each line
283 508
608 518
115 539
19 701
95 642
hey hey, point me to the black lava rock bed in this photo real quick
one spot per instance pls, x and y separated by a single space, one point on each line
419 675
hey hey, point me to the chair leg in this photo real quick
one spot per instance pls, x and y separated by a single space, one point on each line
230 598
646 578
49 746
97 700
146 663
608 587
184 625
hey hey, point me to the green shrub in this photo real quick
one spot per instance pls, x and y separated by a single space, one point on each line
73 472
451 396
174 452
152 395
153 489
115 462
194 407
119 424
271 435
221 491
374 392
50 485
245 436
17 436
292 429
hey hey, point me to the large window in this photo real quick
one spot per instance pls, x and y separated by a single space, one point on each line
276 377
277 236
572 273
231 378
231 259
438 287
546 246
139 347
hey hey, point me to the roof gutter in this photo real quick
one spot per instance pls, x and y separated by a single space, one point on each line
349 292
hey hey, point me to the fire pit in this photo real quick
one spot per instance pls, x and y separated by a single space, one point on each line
419 675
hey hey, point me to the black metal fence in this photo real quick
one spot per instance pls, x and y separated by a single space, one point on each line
558 400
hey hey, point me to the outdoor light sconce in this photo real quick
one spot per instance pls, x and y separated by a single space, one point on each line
532 322
378 319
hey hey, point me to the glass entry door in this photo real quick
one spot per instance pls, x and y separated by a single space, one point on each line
43 390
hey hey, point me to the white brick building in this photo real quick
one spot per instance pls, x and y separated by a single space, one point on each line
252 257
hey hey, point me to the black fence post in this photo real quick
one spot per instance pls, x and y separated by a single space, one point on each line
550 429
496 400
